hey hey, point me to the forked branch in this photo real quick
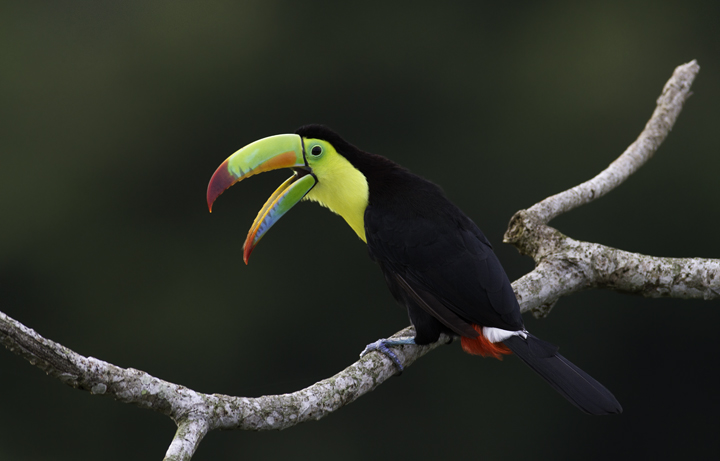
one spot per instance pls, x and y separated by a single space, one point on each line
563 266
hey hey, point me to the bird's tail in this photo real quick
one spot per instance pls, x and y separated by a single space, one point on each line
481 345
570 381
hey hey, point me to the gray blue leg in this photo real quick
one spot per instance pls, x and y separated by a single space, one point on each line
381 345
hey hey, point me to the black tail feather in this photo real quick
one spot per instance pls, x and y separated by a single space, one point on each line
570 381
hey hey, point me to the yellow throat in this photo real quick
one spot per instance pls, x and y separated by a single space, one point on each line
342 188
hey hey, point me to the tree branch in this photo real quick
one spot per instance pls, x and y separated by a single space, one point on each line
669 105
574 266
195 412
563 266
189 434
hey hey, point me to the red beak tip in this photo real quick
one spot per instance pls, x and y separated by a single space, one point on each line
246 252
220 181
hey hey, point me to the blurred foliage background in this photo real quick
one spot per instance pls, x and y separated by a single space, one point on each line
114 115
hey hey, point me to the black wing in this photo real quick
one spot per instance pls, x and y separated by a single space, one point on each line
440 258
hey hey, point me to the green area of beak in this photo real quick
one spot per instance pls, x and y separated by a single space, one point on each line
271 153
285 197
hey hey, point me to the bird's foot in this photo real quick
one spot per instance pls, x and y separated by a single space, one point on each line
381 345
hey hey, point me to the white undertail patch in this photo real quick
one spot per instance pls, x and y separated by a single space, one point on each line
496 335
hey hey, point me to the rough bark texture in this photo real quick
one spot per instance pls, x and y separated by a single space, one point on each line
563 266
194 412
569 265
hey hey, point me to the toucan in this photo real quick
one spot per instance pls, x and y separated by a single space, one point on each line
436 261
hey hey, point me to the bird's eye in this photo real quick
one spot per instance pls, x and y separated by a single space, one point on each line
316 150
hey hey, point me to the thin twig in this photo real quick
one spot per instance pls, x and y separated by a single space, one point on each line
669 105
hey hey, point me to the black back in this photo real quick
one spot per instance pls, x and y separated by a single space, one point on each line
436 261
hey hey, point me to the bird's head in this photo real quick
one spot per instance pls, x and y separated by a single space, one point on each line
320 173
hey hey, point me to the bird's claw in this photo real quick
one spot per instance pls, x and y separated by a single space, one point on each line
381 346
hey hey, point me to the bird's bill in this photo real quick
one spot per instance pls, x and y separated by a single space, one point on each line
271 153
285 197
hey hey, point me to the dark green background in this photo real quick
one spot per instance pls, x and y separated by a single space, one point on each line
113 116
